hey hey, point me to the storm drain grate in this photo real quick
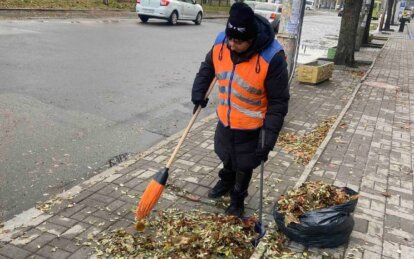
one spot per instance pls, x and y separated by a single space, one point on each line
118 159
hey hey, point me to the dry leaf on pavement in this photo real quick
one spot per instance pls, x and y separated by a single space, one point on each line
304 147
386 194
310 196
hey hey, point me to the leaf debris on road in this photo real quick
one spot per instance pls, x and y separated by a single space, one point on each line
48 205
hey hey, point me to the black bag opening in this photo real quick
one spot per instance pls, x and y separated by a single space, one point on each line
325 228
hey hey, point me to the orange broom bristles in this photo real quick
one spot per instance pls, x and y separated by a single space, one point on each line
149 199
152 194
156 186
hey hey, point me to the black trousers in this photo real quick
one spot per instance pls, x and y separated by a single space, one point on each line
236 149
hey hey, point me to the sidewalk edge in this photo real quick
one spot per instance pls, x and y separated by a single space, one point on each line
33 216
328 137
262 246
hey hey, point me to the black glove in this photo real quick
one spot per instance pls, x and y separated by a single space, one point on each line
262 153
202 103
262 150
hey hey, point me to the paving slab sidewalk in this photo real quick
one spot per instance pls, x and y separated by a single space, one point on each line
372 154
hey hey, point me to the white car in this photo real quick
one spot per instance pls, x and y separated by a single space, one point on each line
171 10
309 5
271 12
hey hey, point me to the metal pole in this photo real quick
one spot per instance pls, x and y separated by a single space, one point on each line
291 28
261 181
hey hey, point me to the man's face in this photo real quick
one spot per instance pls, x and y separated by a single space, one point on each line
239 46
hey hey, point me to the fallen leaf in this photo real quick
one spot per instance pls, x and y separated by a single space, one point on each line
140 226
386 194
192 197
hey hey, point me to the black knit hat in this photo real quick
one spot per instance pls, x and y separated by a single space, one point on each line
241 23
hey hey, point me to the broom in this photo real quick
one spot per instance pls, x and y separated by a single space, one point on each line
156 186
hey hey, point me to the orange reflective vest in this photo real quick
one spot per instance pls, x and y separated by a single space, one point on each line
242 94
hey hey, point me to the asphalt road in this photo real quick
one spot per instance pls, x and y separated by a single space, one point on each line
76 92
320 31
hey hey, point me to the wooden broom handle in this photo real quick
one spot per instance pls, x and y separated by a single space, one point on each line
190 124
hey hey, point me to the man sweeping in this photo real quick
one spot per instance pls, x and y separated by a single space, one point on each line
253 98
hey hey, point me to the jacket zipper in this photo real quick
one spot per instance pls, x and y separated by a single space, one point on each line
229 94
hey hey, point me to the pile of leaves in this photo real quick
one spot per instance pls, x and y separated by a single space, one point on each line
177 234
303 148
310 196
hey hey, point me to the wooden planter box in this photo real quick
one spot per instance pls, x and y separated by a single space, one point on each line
315 72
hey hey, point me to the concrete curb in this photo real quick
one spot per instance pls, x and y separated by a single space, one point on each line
328 137
410 33
262 247
34 216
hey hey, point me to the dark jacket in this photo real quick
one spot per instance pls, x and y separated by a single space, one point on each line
238 142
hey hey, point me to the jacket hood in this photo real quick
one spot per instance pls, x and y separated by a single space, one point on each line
265 36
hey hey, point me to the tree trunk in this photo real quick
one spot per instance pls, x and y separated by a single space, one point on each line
347 34
393 13
360 28
389 14
365 38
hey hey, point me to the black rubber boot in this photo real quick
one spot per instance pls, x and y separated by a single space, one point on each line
239 193
224 185
236 208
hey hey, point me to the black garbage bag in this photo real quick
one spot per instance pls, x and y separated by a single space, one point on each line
325 228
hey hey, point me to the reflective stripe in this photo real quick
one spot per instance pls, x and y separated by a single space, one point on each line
223 75
246 86
245 99
249 113
223 90
240 81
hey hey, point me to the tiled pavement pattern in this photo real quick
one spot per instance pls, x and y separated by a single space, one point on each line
372 153
105 201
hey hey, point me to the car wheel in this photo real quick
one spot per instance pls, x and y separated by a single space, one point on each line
173 18
143 18
307 8
198 19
